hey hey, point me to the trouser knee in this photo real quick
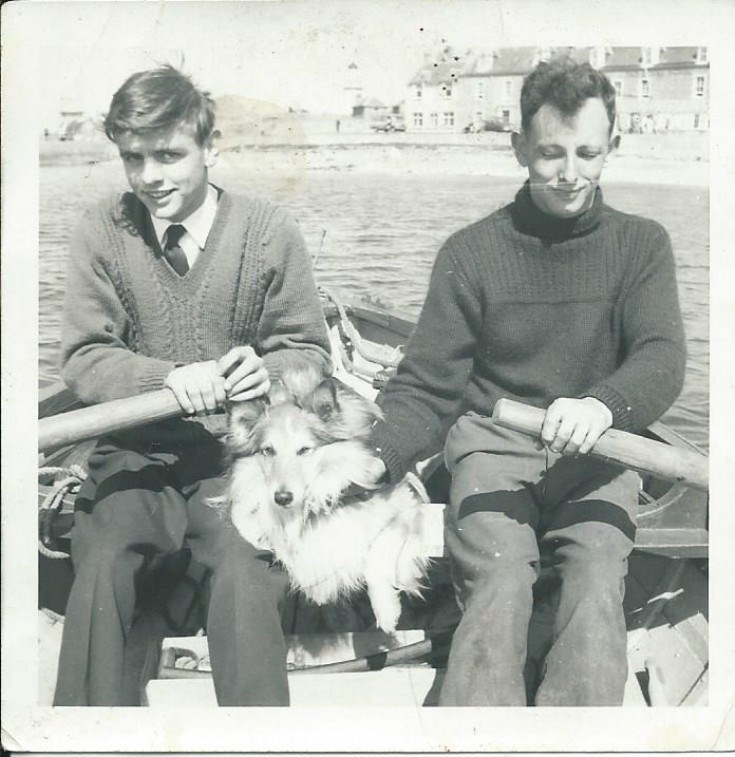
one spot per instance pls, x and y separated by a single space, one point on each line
492 556
105 556
594 566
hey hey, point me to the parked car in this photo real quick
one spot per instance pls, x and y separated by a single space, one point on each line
388 124
489 124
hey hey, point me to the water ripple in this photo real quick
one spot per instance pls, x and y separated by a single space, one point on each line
382 235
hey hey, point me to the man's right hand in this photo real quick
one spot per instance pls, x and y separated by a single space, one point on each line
198 387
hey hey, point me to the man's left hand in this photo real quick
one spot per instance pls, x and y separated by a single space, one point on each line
246 376
573 426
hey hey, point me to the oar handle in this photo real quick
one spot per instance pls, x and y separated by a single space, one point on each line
118 415
619 447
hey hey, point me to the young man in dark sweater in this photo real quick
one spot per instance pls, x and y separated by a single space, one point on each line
176 284
559 301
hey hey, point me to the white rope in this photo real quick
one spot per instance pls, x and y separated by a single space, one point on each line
381 354
65 480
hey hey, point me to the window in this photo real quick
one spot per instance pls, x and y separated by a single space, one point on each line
618 88
419 92
418 120
480 90
647 57
645 88
701 55
699 86
434 119
449 118
508 88
447 88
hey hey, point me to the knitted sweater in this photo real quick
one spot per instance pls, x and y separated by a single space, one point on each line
129 319
530 307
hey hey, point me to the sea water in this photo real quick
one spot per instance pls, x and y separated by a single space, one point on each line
374 236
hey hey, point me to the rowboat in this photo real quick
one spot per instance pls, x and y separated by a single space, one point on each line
666 599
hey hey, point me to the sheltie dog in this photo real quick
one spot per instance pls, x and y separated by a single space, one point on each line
293 458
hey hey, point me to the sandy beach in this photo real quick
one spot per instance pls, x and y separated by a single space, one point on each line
452 160
642 158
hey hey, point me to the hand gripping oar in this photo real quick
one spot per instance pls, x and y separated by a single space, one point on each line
619 447
117 415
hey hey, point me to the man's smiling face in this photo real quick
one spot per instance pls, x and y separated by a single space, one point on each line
168 171
565 156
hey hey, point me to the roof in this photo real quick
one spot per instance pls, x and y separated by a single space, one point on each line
444 67
627 58
436 73
519 61
372 103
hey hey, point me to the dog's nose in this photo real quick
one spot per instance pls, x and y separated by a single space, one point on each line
283 498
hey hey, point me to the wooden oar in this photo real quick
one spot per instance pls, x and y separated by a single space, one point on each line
619 447
118 415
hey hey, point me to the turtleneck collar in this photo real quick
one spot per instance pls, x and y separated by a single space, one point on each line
529 219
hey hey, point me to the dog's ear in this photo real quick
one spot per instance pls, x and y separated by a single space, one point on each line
324 400
279 392
356 413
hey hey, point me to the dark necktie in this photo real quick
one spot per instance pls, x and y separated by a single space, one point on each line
173 252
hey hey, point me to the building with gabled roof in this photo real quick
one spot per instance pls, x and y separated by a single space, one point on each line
430 103
660 89
665 88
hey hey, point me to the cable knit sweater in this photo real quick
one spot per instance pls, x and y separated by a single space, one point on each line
129 319
530 307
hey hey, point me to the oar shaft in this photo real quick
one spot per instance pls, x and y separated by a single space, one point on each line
118 415
629 450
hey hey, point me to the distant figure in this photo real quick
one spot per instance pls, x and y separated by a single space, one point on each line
176 284
561 302
337 126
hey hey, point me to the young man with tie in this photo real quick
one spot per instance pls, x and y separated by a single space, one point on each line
176 284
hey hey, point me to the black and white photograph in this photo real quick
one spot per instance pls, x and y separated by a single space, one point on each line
369 364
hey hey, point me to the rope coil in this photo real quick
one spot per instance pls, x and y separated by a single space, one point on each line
380 354
65 481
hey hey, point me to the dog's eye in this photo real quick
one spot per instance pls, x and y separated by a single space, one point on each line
267 451
304 450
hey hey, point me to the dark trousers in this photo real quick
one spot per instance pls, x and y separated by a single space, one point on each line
513 508
139 502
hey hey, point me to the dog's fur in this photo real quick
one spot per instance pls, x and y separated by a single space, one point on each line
293 457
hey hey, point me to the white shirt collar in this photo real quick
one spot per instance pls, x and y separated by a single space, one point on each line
198 224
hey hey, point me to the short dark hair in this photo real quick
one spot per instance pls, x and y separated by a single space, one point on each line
566 85
159 99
